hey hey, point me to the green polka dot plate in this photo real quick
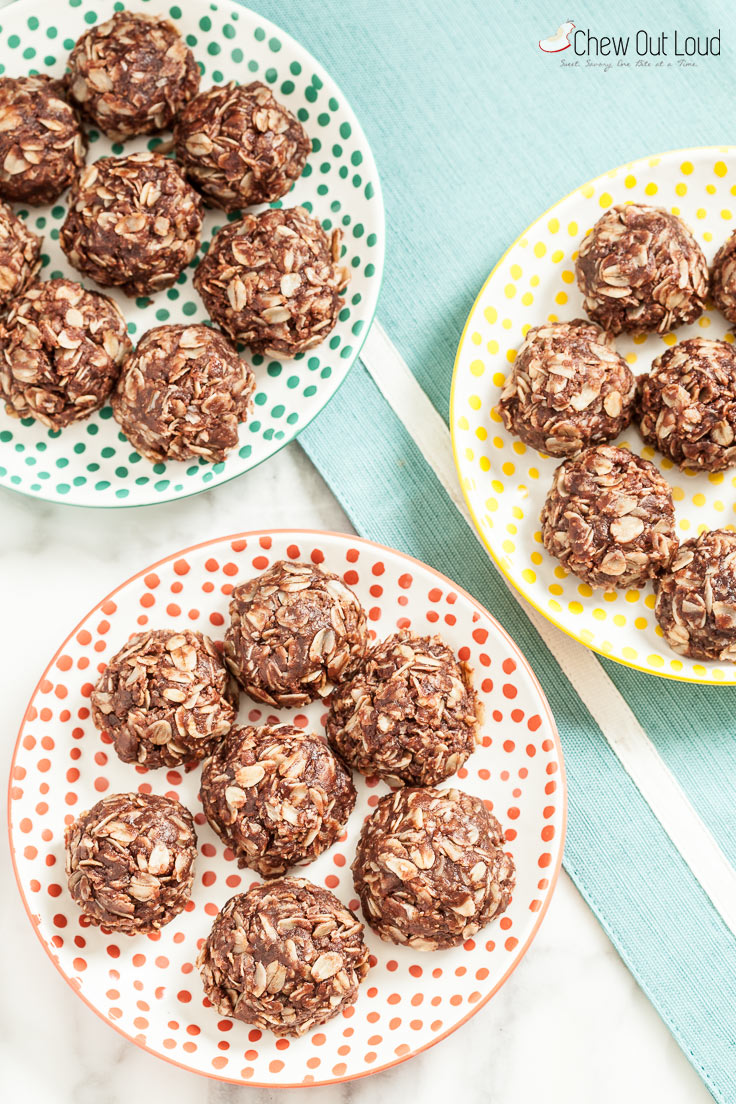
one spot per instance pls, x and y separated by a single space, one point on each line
505 482
91 463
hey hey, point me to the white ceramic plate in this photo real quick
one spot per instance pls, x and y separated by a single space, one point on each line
505 482
90 463
148 987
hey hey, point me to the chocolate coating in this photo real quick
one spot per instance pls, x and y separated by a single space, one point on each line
295 631
273 281
276 795
609 518
410 715
240 146
285 956
723 278
687 404
130 861
20 256
568 389
430 869
61 348
131 74
165 698
640 269
183 393
696 598
133 222
42 148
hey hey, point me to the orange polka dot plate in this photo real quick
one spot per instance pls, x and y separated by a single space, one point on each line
505 482
147 987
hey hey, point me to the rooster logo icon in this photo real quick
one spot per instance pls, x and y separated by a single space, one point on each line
557 42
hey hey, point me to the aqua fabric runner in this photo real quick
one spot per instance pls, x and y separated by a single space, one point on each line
476 132
646 898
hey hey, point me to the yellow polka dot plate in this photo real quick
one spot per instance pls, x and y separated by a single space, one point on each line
505 482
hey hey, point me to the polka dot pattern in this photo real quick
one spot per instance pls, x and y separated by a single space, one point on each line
91 463
505 482
148 987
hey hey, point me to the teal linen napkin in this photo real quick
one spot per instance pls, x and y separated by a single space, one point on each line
475 132
645 896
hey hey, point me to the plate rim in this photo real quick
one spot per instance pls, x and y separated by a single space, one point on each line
510 579
269 25
255 534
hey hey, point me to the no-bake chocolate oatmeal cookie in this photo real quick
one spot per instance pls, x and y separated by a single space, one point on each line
61 348
165 699
132 74
42 147
640 269
20 256
609 518
183 394
240 146
285 956
687 404
723 278
133 222
410 715
278 796
295 631
130 861
696 598
273 281
568 389
430 868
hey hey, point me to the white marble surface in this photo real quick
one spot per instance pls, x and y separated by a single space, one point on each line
569 1027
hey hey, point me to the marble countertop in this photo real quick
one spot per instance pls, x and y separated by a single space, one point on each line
570 1025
